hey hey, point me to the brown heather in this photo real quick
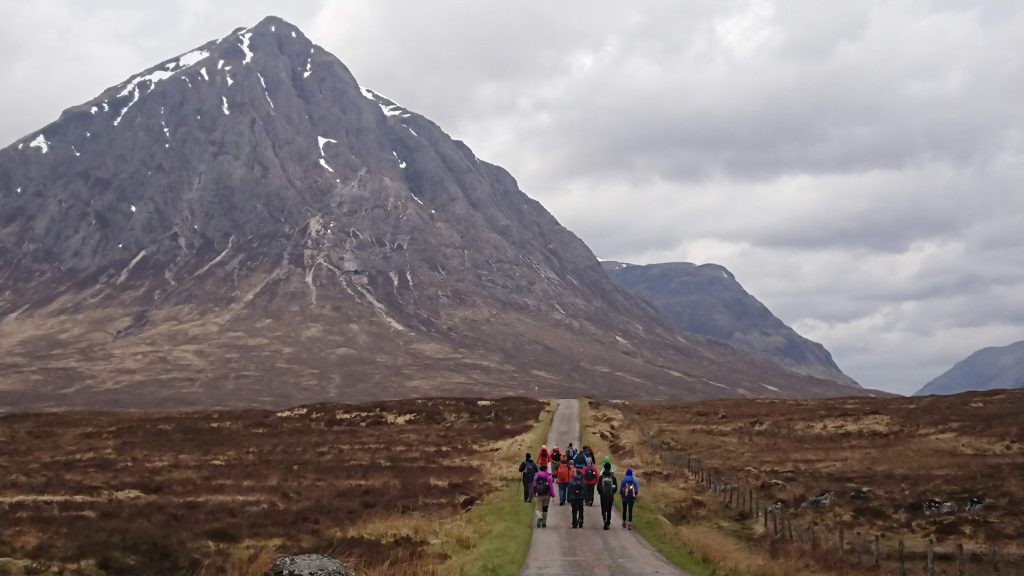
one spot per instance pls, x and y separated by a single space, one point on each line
382 485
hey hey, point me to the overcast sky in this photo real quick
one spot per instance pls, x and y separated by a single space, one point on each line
858 165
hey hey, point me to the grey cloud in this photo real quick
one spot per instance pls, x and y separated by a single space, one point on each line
858 166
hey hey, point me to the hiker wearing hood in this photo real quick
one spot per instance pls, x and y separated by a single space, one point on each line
543 458
608 461
606 488
565 474
543 484
629 491
528 470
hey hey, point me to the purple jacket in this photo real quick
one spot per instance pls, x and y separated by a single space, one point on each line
546 475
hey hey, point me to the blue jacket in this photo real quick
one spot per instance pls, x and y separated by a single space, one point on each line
622 488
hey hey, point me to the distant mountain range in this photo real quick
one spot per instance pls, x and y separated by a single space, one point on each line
706 299
986 369
245 225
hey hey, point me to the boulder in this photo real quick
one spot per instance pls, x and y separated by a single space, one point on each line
309 565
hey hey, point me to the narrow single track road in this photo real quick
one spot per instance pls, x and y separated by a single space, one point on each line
592 551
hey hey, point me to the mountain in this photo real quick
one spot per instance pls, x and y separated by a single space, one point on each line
245 225
707 300
986 369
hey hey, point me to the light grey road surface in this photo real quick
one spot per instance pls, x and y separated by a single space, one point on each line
559 549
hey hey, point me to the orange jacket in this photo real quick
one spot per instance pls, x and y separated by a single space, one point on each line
543 459
564 474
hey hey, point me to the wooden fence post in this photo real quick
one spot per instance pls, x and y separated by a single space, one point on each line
997 569
765 518
860 549
750 500
930 562
903 561
775 524
961 567
789 527
842 541
814 539
878 550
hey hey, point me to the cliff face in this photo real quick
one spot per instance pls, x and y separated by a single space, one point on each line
245 225
707 300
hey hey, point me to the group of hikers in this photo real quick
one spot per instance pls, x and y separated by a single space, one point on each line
576 477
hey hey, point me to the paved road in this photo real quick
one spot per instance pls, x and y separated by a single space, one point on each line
558 549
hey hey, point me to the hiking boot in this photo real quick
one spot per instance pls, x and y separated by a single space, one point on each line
630 525
623 523
606 524
573 524
539 522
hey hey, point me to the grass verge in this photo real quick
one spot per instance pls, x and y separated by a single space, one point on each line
502 525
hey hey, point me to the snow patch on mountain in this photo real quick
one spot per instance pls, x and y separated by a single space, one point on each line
265 92
245 37
41 143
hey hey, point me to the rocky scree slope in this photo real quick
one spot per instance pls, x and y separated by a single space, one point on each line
245 225
707 299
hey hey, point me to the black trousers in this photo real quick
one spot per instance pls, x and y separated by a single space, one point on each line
606 509
527 491
577 512
590 494
627 511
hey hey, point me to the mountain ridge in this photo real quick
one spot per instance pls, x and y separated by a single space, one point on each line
245 225
989 368
707 299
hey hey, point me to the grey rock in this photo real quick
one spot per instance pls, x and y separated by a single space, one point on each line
309 565
707 299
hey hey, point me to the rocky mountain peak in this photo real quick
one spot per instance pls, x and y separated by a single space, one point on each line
244 224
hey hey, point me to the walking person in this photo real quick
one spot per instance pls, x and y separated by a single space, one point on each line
590 479
543 458
564 478
629 491
577 494
579 460
607 486
528 470
570 452
556 460
542 487
608 461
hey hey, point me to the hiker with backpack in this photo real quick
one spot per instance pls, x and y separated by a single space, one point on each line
589 453
580 460
564 478
528 470
629 491
543 458
556 460
570 452
608 461
542 487
606 488
577 494
590 479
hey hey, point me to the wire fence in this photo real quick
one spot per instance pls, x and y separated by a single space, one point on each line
842 548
